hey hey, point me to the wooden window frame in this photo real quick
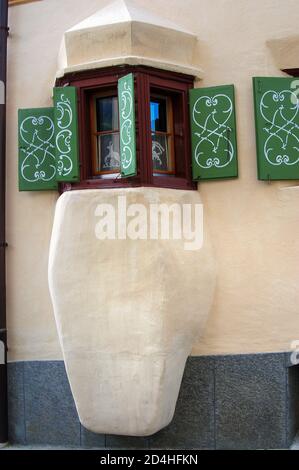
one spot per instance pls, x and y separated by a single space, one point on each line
95 133
169 133
292 72
12 3
145 79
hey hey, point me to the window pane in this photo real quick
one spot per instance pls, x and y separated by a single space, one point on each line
158 114
160 152
108 152
107 114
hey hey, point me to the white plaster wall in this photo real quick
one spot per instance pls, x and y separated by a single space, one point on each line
127 311
253 225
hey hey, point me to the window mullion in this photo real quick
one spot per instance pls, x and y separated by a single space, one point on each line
144 129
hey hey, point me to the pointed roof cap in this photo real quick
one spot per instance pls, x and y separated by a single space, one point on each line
121 11
124 33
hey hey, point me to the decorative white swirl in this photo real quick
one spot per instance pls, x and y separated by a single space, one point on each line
37 135
64 136
126 129
281 145
211 115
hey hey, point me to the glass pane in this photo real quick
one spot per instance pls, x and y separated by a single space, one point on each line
108 152
107 113
158 114
160 153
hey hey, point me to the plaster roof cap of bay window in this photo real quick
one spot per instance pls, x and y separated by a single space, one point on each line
123 33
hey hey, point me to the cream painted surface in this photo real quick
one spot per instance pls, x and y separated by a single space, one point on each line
285 51
123 33
127 311
253 225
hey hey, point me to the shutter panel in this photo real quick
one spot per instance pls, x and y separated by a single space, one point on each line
127 126
37 165
66 133
213 132
277 128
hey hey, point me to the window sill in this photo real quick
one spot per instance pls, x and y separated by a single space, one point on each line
158 182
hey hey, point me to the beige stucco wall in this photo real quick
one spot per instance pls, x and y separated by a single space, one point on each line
253 225
124 348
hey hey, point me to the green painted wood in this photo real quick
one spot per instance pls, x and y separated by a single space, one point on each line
37 164
127 126
213 132
66 133
276 105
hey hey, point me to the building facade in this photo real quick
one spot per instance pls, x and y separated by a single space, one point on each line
240 383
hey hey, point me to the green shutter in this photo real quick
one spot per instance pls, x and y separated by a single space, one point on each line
213 132
37 166
127 126
66 133
277 128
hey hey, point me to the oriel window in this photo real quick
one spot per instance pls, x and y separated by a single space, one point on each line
162 151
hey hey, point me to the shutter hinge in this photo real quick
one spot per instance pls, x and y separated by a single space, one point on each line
3 245
5 28
269 179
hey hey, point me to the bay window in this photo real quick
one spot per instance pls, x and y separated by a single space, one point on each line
163 150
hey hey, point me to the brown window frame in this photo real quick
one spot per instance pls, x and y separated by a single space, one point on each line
292 72
146 80
169 133
12 3
95 133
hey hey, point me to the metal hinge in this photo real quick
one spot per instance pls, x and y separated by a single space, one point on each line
3 245
5 28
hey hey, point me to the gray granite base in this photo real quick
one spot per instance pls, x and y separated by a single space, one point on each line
225 402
